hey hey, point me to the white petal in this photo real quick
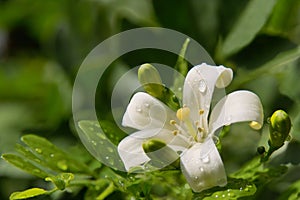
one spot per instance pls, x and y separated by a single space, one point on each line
131 151
146 112
200 84
202 166
238 106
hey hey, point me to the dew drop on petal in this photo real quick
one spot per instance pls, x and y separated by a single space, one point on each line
201 169
138 109
147 105
205 159
202 86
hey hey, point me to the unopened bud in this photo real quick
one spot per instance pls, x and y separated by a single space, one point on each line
160 154
280 126
150 80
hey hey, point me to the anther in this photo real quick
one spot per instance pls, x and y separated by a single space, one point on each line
175 132
201 112
172 122
200 129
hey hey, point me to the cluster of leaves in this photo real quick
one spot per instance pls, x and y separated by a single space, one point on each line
45 42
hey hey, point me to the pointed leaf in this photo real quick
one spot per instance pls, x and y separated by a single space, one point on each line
54 157
33 192
249 24
25 164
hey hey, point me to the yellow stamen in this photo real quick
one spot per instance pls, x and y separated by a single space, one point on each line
201 112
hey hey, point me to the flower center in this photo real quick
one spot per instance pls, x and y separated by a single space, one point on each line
197 130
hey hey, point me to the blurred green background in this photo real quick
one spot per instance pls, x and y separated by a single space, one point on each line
43 42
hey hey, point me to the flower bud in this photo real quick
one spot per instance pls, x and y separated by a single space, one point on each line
150 80
280 126
160 154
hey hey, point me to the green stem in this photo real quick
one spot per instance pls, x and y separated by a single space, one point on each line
110 189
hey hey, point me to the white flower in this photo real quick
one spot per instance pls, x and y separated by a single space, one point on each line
188 131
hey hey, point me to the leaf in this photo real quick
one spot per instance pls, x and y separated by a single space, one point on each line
182 67
292 193
235 188
25 165
272 67
248 25
33 192
52 156
285 19
100 145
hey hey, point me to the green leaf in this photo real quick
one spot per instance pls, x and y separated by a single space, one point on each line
248 25
25 164
292 193
235 188
182 67
52 156
99 144
272 67
33 192
285 20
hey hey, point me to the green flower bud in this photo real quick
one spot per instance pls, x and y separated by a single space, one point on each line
160 154
280 126
150 80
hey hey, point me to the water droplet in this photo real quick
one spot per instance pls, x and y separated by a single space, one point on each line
205 159
231 194
202 86
105 176
201 169
36 171
38 150
37 160
138 109
196 177
179 89
241 188
52 155
110 149
121 183
223 195
94 143
62 165
246 189
147 105
106 157
216 196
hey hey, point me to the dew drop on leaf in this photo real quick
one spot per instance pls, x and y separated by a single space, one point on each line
38 150
62 165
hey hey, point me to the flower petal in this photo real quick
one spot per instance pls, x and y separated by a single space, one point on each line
146 112
238 106
200 84
131 151
202 166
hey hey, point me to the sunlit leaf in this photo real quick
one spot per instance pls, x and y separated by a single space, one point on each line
33 192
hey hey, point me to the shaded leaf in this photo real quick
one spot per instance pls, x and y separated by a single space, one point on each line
52 156
25 165
248 25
